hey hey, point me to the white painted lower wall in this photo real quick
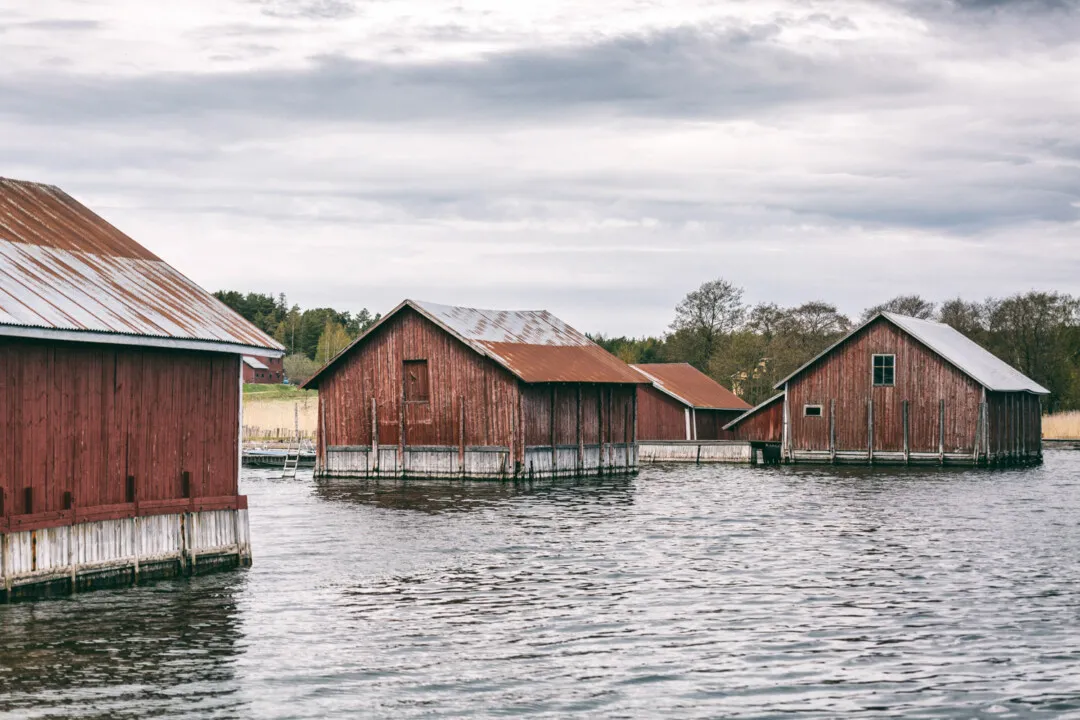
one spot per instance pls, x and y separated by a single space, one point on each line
494 463
76 552
690 451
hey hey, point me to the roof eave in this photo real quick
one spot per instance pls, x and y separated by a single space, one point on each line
753 410
103 338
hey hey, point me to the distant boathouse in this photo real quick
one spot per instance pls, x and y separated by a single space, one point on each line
441 391
120 405
902 390
681 416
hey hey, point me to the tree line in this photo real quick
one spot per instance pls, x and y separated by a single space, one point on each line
751 348
311 337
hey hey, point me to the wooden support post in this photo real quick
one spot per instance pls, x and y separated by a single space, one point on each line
634 425
5 563
693 421
600 429
941 431
374 436
461 436
401 430
907 435
832 431
192 552
554 452
986 425
978 434
580 433
73 557
521 428
626 436
785 438
322 434
136 544
610 428
870 430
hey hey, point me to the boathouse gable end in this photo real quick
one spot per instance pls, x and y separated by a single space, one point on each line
902 389
120 406
442 391
367 389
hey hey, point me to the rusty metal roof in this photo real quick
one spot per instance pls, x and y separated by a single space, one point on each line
67 274
690 386
534 345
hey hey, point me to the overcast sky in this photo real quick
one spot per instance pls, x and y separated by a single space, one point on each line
598 159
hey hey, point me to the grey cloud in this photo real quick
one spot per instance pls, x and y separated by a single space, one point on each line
688 72
307 9
61 25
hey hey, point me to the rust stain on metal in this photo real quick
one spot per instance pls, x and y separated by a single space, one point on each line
691 386
62 267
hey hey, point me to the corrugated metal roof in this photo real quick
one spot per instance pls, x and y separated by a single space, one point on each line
690 386
969 357
254 363
534 345
66 273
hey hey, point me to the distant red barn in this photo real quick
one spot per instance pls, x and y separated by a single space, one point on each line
441 391
119 405
899 389
682 403
263 369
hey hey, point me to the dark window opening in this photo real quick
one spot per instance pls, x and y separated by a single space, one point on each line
884 370
812 410
416 381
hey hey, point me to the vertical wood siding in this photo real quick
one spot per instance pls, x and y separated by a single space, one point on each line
660 416
375 371
710 424
765 425
498 410
922 378
78 418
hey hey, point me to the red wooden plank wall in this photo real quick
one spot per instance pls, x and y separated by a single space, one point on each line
81 418
375 370
660 416
710 424
606 413
922 378
766 425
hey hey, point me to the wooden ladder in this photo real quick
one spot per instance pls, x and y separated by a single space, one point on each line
292 462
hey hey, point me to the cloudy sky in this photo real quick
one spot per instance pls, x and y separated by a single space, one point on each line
598 158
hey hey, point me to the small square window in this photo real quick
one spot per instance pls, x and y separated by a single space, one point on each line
416 381
811 410
884 370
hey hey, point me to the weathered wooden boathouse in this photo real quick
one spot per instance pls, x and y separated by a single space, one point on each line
120 404
441 391
902 390
681 416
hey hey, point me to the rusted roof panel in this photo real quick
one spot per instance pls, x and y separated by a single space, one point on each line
64 270
691 386
534 345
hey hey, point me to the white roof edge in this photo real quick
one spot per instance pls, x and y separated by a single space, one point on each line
754 409
101 338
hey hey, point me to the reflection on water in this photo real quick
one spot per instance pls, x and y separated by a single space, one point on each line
683 592
164 650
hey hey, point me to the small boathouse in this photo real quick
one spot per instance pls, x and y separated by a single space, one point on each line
120 405
902 390
681 416
441 391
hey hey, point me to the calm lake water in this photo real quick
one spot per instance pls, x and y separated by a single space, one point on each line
683 592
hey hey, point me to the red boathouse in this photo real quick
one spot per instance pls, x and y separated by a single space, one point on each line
902 390
681 416
441 391
119 406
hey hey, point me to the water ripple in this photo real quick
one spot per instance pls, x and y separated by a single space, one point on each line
684 592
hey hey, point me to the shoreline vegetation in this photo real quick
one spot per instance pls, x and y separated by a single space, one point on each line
747 348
